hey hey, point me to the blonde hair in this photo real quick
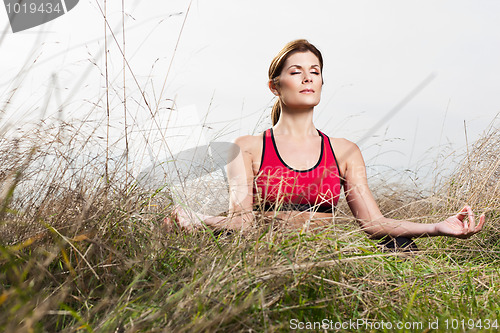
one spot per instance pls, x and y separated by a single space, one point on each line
298 45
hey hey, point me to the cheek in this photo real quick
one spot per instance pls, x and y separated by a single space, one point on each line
287 85
318 86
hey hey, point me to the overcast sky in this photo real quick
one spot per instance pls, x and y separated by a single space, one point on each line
375 53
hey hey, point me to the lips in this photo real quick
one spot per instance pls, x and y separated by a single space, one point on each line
307 91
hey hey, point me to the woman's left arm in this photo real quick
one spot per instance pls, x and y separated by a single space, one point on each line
373 222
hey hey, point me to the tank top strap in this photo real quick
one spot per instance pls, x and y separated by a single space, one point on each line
269 155
330 154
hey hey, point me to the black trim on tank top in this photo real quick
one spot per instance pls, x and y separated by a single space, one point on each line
336 162
263 149
310 169
285 207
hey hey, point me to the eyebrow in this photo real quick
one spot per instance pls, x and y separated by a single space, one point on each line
299 66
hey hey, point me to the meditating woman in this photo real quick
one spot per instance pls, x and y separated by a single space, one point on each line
295 172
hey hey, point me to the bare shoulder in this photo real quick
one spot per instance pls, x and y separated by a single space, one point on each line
249 143
251 146
344 148
347 152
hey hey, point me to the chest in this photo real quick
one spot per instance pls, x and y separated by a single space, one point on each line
299 155
296 155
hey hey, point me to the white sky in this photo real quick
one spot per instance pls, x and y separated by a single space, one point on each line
375 53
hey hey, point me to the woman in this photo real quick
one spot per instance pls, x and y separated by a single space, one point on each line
297 171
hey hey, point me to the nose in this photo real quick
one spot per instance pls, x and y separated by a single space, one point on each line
307 77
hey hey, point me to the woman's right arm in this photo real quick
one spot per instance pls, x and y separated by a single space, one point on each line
240 177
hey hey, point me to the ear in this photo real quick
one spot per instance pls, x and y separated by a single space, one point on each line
273 87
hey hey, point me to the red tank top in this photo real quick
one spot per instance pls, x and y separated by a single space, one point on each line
278 186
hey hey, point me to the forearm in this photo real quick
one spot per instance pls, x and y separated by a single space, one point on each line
398 228
241 221
234 221
295 220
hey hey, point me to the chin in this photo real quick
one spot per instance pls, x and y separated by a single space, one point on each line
303 104
308 105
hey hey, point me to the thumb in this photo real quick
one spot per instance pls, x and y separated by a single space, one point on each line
463 213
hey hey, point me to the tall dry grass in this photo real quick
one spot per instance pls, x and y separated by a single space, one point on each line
80 253
82 248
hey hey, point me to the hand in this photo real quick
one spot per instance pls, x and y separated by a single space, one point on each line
182 218
459 226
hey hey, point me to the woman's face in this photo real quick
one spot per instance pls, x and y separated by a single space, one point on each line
300 81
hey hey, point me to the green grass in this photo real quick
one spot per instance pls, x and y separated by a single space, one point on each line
122 273
79 254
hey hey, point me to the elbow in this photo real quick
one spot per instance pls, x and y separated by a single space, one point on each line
373 232
241 221
373 229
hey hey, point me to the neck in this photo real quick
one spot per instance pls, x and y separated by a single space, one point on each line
297 123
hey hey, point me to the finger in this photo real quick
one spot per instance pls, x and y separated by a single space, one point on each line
168 223
461 214
479 226
472 224
173 218
464 220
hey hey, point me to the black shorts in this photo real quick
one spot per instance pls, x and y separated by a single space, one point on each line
402 244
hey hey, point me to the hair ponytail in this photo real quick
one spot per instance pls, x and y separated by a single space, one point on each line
276 111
